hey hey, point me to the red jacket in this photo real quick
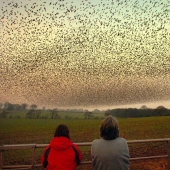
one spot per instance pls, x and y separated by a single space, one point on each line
61 155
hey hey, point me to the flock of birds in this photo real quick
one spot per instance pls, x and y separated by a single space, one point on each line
67 53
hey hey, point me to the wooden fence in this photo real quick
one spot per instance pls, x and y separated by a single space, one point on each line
34 146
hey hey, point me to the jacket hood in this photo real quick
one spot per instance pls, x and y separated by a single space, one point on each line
61 143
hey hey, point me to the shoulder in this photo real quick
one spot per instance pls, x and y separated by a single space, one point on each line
96 141
121 141
48 146
76 147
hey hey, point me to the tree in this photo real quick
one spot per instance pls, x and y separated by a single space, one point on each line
96 111
30 114
8 106
33 114
161 110
38 114
161 107
24 106
143 107
3 114
87 115
33 106
1 105
107 112
54 114
16 107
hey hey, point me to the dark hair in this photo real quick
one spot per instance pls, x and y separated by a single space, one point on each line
109 128
62 130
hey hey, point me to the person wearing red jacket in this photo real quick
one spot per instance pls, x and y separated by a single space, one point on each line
61 153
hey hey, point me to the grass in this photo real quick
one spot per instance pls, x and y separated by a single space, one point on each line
41 130
13 131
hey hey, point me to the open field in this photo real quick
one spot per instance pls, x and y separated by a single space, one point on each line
18 131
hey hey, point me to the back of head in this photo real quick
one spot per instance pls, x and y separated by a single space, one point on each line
62 130
109 128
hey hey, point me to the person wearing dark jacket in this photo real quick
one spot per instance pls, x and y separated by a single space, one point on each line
61 153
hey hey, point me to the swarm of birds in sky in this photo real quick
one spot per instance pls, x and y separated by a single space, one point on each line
82 53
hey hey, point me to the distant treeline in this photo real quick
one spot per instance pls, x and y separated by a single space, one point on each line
133 112
32 111
24 106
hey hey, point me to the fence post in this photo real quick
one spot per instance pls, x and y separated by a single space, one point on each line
1 159
168 154
33 156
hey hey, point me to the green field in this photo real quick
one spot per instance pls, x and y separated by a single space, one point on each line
18 131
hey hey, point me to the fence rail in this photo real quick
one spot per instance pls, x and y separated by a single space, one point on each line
34 146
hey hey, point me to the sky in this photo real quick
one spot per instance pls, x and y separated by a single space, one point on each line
85 54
